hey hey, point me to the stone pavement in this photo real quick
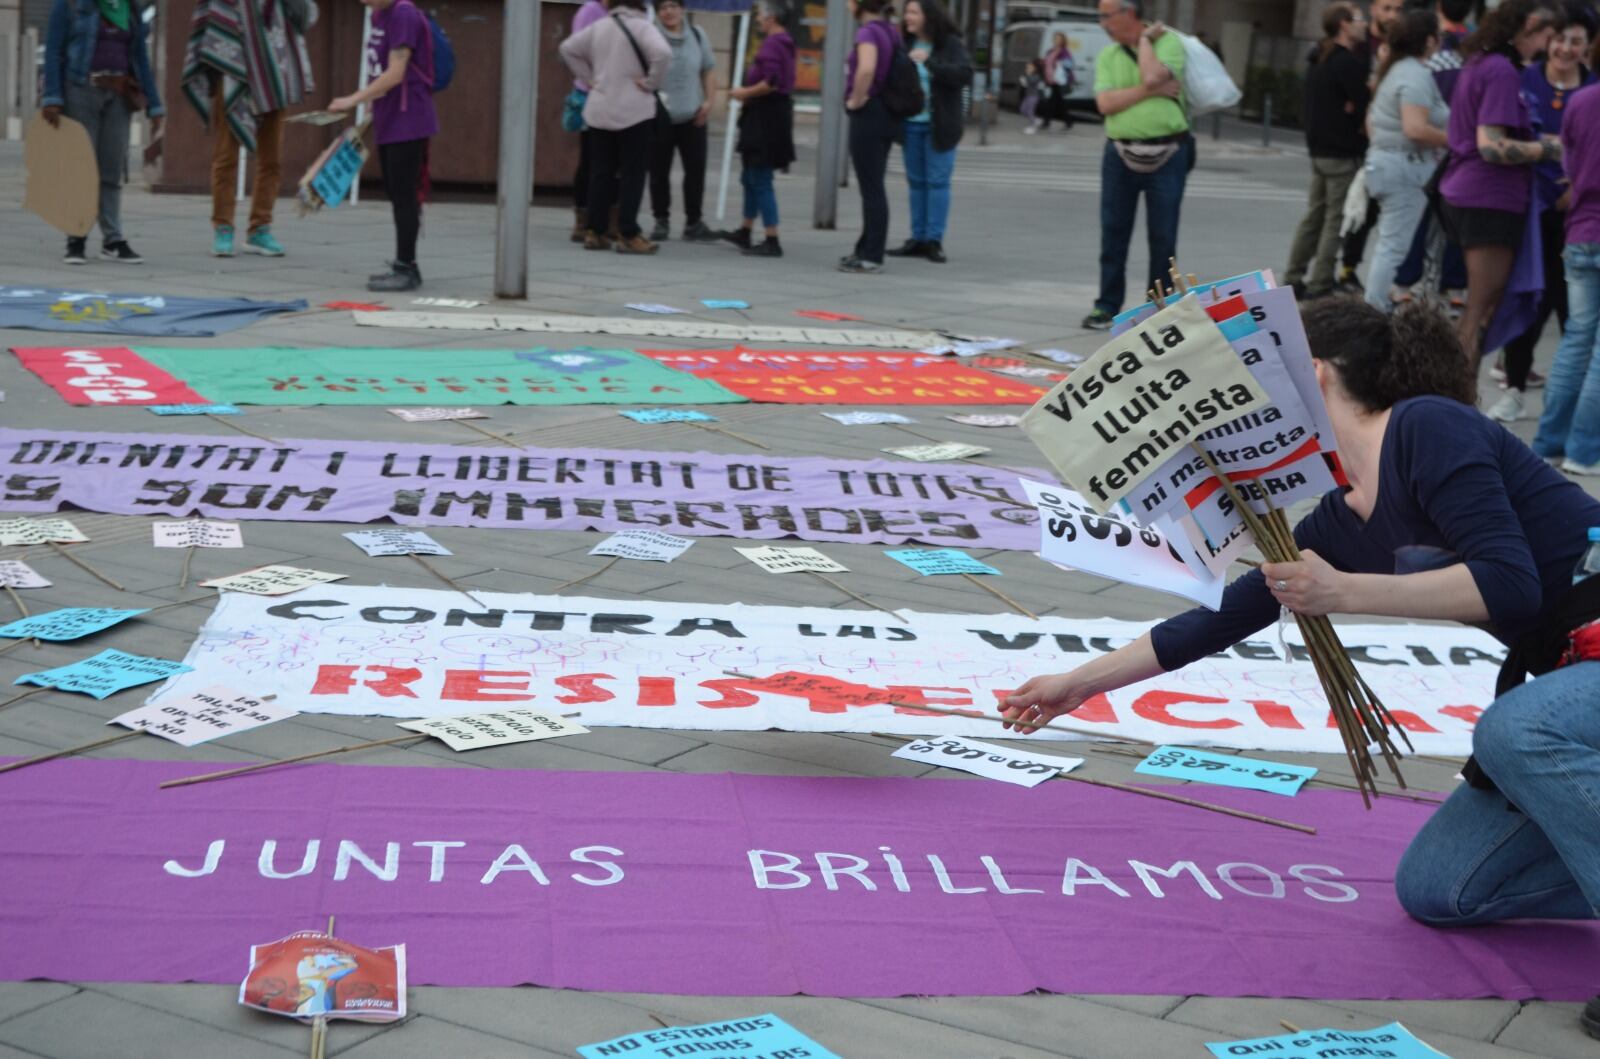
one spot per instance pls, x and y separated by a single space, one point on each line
1023 248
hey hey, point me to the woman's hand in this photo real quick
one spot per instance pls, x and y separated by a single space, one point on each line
52 114
1042 699
1309 586
343 103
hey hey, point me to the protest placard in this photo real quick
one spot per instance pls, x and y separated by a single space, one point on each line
272 580
60 186
649 545
1061 356
775 560
39 531
14 573
760 1037
328 181
654 307
448 303
1393 1041
1182 763
1207 557
862 419
473 731
986 420
668 415
987 760
197 533
105 673
195 409
431 415
724 303
202 716
928 561
377 542
310 975
69 623
1215 291
1142 397
967 347
938 452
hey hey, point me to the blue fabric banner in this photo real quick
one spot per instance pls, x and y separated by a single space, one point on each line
149 315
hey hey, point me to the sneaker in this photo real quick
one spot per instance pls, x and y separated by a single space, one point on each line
261 242
402 278
699 232
75 254
1572 466
1535 380
1591 1018
856 265
1498 372
934 252
121 253
222 241
636 244
660 233
768 247
910 248
1030 130
1099 320
1508 409
595 241
739 237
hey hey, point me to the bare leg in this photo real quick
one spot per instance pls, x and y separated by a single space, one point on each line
1488 269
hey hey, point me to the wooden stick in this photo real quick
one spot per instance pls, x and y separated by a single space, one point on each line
14 646
852 595
319 1025
18 698
1226 811
580 580
185 781
52 755
227 421
1291 1027
73 559
437 573
21 606
731 434
188 557
663 1023
470 425
1018 607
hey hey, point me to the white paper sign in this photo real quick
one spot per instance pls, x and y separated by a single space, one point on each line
197 533
433 415
1023 371
987 760
39 531
202 716
272 580
996 420
944 450
14 573
448 303
789 560
643 544
396 542
862 419
471 731
1061 356
653 307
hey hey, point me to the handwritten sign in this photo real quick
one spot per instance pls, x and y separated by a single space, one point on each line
396 542
927 561
776 560
724 303
195 409
936 453
14 573
272 580
105 673
69 623
668 415
1393 1041
997 420
190 720
760 1037
448 303
863 419
650 545
197 533
654 307
987 760
39 531
1061 356
1181 763
472 731
334 177
433 415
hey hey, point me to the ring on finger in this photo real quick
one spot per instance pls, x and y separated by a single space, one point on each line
1282 584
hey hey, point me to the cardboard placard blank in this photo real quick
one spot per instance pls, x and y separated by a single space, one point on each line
63 177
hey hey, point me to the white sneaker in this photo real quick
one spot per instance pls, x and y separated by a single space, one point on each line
1508 409
1030 130
1574 467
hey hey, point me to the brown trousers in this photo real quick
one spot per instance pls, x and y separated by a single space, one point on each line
225 167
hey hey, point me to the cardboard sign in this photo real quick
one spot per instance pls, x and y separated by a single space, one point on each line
1000 420
396 542
649 545
668 415
202 716
39 531
197 533
987 760
63 187
14 573
776 560
309 974
69 623
1393 1041
724 303
1181 763
272 580
929 561
105 673
862 419
938 453
432 415
195 409
652 307
1140 399
761 1037
473 731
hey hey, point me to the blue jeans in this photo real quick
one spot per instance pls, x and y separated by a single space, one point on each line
1531 849
1120 188
928 172
1395 180
759 198
1570 425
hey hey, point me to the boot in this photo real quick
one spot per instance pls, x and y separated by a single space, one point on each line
404 278
580 224
769 248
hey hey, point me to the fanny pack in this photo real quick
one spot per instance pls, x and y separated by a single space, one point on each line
1146 156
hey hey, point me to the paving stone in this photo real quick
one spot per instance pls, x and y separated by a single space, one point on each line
218 1006
424 1037
17 998
1549 1029
89 1025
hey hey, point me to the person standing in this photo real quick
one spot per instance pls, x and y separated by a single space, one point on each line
1335 117
873 129
97 72
1138 85
931 136
766 129
400 56
246 63
591 12
1032 88
624 58
1058 71
687 93
1385 14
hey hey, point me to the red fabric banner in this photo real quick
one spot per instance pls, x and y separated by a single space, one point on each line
105 376
778 377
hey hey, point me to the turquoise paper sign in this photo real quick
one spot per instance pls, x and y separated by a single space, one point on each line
926 561
195 409
724 303
66 624
757 1037
105 674
1181 763
668 415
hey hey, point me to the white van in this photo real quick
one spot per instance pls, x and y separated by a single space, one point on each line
1025 41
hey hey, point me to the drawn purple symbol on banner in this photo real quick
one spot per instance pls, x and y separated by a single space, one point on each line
575 360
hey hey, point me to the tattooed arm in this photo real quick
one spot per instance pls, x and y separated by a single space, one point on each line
1496 147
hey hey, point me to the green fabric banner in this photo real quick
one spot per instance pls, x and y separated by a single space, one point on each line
283 376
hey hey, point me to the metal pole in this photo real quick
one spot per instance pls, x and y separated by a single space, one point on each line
519 86
730 132
830 134
1266 120
366 77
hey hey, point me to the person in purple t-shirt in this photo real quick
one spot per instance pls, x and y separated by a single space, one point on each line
766 129
873 129
1493 147
400 59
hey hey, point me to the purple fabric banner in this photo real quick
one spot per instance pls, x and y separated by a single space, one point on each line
737 885
697 493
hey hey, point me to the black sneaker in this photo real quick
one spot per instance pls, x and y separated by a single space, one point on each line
121 253
766 248
403 278
75 252
1099 320
934 252
910 248
699 232
856 265
1591 1018
739 237
660 233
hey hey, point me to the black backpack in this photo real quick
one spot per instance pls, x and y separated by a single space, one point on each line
902 90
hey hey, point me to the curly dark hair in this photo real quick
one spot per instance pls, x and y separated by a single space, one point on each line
1408 39
1500 27
936 23
1384 359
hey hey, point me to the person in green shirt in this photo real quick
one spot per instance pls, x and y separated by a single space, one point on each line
1138 86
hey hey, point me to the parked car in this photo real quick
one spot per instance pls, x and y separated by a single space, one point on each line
1031 40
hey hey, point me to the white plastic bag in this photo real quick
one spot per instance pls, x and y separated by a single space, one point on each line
1355 205
1206 83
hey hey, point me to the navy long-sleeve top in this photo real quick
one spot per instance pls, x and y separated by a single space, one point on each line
1453 486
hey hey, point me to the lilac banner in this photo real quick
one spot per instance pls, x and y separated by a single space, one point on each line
697 493
737 885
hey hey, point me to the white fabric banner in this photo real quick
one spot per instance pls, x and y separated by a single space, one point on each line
420 653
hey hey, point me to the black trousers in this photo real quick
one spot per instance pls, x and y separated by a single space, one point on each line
688 141
1355 244
1519 351
402 181
1054 105
580 179
872 132
618 162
